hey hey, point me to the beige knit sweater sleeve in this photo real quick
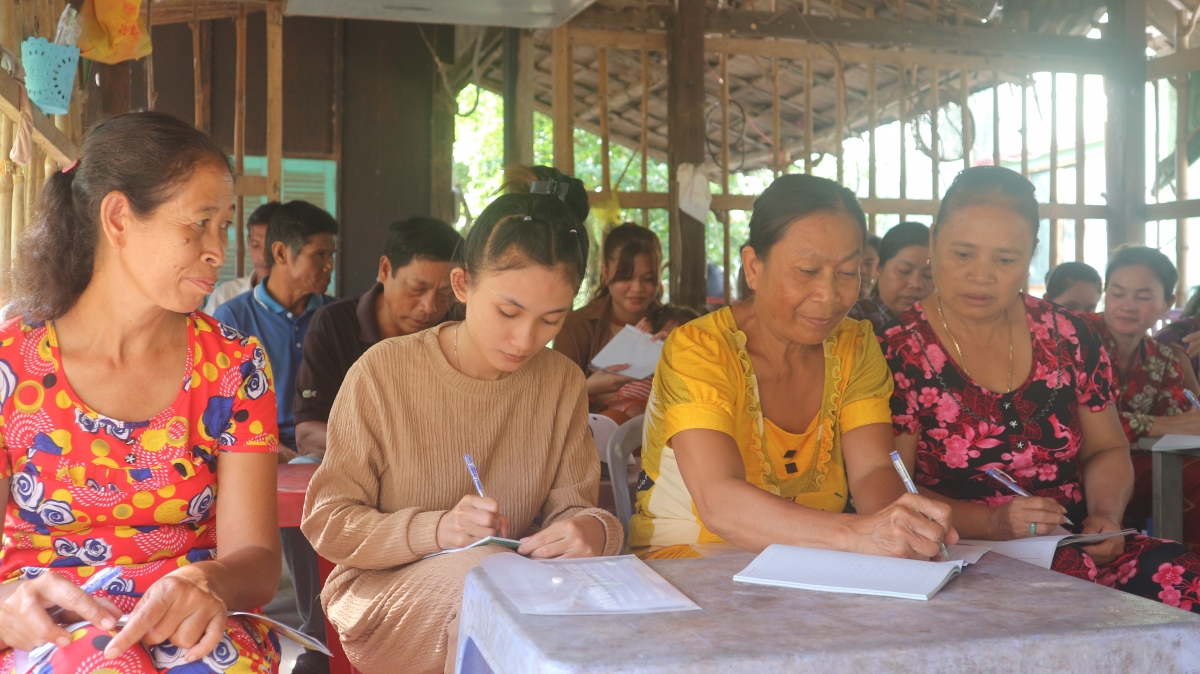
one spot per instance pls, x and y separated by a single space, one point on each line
342 519
578 479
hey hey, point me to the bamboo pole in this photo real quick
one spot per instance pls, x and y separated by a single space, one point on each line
840 117
6 196
776 121
903 133
808 115
274 100
1055 227
968 126
18 208
995 118
1080 165
645 139
727 255
602 94
873 121
1025 126
563 104
239 137
1182 128
935 145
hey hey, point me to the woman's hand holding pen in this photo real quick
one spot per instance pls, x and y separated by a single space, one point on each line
912 527
474 518
1023 517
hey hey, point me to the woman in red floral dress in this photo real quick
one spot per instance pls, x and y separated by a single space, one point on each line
126 244
1139 288
986 376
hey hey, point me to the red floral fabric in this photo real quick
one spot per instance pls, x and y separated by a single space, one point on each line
1033 433
1153 387
88 491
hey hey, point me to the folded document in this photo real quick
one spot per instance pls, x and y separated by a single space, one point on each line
1039 550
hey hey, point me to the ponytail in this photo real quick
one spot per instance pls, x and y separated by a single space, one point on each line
56 253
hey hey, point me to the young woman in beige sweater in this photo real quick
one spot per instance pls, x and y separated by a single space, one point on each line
394 488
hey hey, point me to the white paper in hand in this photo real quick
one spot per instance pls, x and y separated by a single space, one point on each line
630 347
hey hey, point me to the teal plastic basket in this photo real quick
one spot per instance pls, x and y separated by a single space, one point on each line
49 74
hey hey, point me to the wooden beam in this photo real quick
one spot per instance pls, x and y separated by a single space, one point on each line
796 49
1183 128
182 11
275 100
687 140
1173 210
1181 62
45 133
250 186
617 39
875 32
524 100
563 67
202 74
510 66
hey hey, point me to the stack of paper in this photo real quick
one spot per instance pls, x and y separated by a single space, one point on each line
586 586
849 572
1172 442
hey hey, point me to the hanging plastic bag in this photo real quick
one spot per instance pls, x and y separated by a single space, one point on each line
113 31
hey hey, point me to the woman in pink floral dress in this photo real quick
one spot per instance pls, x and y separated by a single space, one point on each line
986 376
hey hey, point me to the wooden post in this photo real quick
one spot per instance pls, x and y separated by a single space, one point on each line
808 112
645 138
1055 227
968 128
873 122
6 194
726 253
1182 130
995 118
526 79
511 68
935 145
903 131
776 122
1125 81
839 116
239 136
274 100
441 131
602 94
563 110
686 143
1025 125
202 72
1080 165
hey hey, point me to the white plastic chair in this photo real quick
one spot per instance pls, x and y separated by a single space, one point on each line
602 429
620 446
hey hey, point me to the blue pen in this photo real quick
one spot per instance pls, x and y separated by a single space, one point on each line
96 582
1192 398
912 489
1004 479
474 475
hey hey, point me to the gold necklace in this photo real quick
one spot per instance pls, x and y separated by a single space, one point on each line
962 361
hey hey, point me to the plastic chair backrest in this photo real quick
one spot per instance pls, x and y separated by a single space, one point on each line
622 443
602 429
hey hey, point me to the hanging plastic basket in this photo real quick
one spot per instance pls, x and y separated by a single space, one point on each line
49 74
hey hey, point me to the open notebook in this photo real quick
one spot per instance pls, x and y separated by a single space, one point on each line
1039 550
849 572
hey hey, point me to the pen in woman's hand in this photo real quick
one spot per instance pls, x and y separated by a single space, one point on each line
912 489
1006 480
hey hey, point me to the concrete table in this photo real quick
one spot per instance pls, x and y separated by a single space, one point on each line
1167 473
1000 615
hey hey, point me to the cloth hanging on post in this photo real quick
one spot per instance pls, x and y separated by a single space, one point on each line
113 31
22 149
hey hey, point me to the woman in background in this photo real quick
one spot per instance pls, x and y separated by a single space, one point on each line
630 287
1074 285
870 265
904 275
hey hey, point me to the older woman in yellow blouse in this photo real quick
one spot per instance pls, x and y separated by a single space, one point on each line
767 416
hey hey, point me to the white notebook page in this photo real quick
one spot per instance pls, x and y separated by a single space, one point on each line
848 572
